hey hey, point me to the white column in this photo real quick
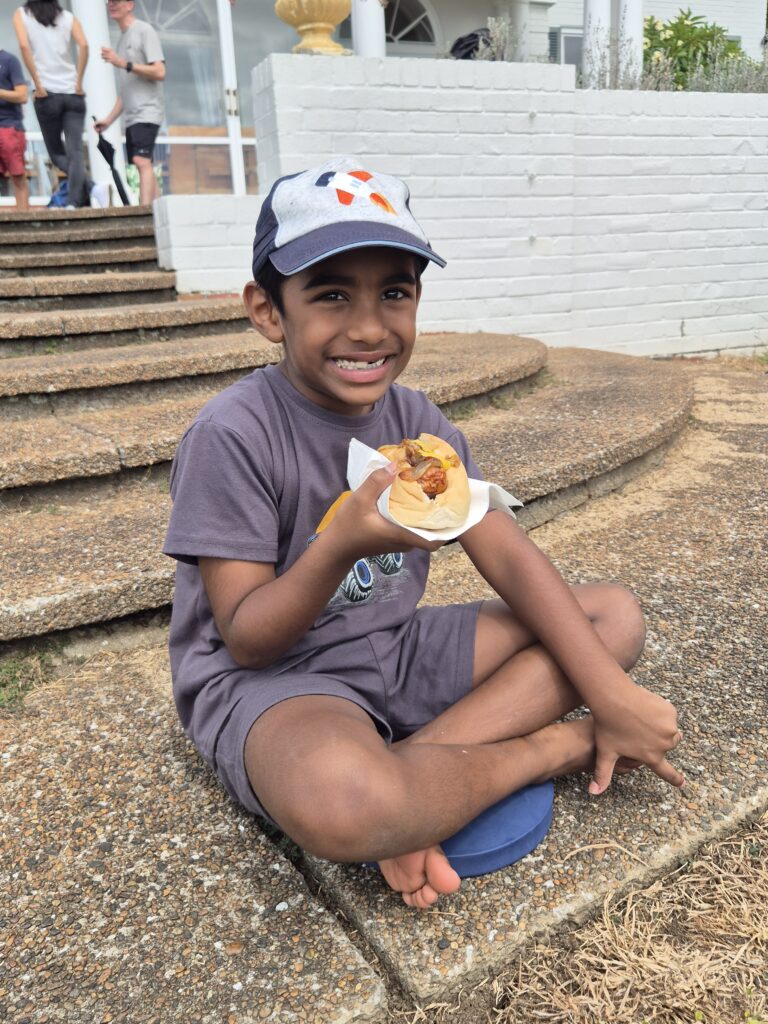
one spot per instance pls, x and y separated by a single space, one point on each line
369 38
518 13
630 36
100 90
596 54
229 73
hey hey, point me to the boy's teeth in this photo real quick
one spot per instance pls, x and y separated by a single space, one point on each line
351 364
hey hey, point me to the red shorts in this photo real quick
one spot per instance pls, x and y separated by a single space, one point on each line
12 146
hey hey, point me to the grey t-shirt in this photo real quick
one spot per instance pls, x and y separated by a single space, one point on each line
142 98
251 480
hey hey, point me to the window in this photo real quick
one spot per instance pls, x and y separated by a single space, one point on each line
565 45
409 27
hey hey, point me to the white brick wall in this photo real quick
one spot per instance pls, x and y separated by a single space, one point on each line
622 220
207 240
632 221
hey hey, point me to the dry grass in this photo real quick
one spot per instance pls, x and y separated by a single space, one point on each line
691 947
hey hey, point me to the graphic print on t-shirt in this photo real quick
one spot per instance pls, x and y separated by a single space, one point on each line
376 575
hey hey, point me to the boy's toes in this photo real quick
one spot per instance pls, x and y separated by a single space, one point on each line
440 875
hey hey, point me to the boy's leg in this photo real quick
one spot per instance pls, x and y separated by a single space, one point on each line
517 686
322 771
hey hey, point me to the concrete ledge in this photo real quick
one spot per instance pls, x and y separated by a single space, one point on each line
121 318
91 257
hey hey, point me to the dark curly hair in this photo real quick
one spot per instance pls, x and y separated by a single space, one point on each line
44 11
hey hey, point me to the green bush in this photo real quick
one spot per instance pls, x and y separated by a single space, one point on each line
684 45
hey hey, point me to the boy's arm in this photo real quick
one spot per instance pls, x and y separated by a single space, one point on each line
260 616
630 721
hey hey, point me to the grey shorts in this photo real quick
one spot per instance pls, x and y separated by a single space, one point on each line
402 678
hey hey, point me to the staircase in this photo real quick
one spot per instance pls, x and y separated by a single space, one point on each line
102 367
129 877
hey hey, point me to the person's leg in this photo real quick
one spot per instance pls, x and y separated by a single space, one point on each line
73 119
517 689
148 189
20 191
321 770
50 113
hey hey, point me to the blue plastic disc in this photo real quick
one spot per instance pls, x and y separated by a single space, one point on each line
502 834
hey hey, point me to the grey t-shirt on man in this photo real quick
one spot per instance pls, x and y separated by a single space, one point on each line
142 98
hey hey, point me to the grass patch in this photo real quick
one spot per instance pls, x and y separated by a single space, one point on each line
20 673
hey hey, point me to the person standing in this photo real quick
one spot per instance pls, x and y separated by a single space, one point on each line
141 70
45 33
13 141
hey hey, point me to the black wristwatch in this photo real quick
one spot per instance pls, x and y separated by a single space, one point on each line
129 65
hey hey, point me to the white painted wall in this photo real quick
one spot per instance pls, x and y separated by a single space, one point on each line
630 221
745 18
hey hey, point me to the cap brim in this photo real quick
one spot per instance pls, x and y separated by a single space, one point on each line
331 240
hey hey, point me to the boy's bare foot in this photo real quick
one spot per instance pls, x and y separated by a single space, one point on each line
421 877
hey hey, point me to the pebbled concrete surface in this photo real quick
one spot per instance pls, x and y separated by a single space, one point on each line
133 890
120 318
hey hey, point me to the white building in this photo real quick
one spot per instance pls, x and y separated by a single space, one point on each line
206 145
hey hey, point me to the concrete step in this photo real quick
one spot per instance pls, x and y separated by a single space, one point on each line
440 363
84 554
66 237
31 263
93 433
129 364
81 291
55 217
51 332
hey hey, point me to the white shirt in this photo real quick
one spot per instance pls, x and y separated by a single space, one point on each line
51 48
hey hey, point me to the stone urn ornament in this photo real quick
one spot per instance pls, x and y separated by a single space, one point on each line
315 21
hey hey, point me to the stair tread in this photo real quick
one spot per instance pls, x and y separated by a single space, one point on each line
436 366
119 318
117 429
96 556
82 257
46 215
84 284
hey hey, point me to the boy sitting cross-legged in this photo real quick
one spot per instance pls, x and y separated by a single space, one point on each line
325 700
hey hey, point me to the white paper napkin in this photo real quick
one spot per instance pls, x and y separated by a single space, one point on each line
362 461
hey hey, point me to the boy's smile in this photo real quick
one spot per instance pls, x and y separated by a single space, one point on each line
348 326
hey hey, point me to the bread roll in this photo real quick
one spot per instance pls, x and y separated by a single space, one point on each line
408 501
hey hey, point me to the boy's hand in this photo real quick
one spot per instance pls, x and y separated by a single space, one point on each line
639 726
359 529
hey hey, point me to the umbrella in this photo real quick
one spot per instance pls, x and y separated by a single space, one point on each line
107 150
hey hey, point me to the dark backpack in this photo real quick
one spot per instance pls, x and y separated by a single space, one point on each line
467 46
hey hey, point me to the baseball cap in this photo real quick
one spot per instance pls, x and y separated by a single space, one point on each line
338 206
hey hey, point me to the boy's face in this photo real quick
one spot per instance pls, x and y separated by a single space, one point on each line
348 328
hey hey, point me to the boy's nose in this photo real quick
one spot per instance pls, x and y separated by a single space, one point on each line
367 326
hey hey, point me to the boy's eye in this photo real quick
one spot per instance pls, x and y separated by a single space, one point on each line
395 293
330 297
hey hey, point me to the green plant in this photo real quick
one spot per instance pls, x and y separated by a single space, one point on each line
20 673
688 43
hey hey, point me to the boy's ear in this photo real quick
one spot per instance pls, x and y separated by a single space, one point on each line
262 313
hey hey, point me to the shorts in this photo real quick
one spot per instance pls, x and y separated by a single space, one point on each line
140 140
403 678
13 142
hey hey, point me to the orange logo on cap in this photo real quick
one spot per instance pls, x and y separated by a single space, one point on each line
352 184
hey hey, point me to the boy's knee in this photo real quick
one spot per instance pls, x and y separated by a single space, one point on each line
344 805
628 624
